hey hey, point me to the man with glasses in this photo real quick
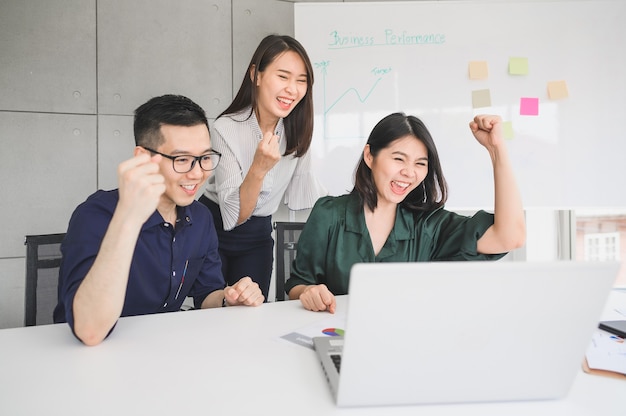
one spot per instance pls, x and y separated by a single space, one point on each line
144 247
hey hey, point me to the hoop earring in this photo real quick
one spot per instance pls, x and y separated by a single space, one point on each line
424 188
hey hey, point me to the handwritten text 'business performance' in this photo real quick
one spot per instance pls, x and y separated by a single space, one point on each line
390 37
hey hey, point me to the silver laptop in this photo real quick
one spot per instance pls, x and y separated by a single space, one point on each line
453 332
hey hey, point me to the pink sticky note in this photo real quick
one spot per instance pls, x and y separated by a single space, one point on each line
529 106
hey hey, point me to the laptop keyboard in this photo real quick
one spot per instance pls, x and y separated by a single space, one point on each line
336 360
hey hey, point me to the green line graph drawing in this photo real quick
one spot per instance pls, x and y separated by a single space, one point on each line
350 92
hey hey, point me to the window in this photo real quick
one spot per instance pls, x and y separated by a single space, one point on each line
601 236
601 246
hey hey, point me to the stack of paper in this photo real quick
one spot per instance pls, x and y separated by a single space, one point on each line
607 352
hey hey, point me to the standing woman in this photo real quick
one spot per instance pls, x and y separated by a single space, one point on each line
264 138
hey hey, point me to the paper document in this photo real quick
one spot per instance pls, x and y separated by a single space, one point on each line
607 352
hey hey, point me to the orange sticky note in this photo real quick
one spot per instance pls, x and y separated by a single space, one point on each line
478 70
557 90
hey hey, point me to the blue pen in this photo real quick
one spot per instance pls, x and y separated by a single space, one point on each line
182 280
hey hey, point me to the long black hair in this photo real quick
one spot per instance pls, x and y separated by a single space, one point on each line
432 193
299 123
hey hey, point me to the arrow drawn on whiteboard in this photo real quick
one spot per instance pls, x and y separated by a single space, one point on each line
327 108
358 96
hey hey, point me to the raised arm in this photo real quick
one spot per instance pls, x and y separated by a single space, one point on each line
265 158
100 297
509 229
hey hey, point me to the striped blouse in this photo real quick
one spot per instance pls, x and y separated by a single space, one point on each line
236 137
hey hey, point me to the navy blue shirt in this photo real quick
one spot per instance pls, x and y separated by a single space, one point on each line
163 255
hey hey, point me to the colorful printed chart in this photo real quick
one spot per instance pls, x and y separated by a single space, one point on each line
329 326
333 332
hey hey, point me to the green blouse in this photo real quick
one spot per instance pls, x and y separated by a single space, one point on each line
335 237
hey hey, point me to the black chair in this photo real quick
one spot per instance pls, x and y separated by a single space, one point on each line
287 234
43 259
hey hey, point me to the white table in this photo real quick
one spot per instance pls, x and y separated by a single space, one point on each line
221 361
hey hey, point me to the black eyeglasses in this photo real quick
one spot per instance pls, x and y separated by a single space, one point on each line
185 163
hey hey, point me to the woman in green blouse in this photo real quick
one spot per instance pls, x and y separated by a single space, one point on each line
396 212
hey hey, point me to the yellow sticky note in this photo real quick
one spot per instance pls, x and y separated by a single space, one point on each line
507 130
478 70
481 98
557 90
518 66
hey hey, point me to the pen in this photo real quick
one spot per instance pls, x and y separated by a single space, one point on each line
182 280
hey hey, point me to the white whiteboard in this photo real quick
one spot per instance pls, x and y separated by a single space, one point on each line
572 154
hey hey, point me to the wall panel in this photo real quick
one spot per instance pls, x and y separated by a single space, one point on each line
48 56
48 169
115 144
12 283
153 47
